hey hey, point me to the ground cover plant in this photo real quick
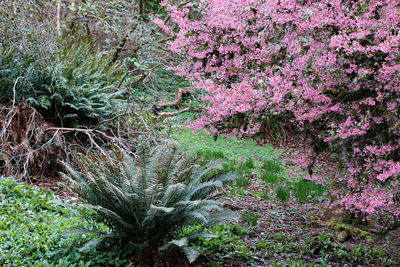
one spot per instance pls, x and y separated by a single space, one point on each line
33 225
253 163
239 150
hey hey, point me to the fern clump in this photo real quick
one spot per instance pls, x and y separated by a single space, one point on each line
85 83
148 201
80 84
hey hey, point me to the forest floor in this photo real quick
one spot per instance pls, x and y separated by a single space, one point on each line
278 224
287 231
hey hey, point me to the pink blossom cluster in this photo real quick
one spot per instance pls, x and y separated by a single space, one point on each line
333 65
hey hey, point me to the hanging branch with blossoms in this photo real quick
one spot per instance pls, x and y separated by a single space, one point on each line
333 65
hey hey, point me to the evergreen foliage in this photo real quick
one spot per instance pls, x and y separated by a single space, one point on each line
148 201
85 83
81 84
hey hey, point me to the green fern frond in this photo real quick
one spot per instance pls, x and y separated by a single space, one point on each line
149 200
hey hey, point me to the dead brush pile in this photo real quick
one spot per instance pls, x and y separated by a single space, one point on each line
25 148
31 147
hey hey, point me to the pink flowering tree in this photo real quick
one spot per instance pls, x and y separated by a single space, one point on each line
333 66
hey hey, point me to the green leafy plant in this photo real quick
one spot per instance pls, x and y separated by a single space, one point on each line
24 73
272 172
305 188
243 182
209 154
86 83
282 193
270 178
226 242
81 84
32 226
250 217
248 164
148 201
265 194
232 148
270 165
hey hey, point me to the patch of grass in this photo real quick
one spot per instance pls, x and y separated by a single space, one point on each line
282 193
241 156
245 167
244 156
209 154
248 164
230 165
265 194
272 166
243 182
305 188
32 230
250 217
273 172
237 192
271 178
239 150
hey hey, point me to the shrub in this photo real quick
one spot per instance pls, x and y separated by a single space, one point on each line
86 83
148 202
24 72
332 67
29 27
80 85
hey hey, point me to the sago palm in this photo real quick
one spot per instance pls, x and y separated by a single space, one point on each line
148 201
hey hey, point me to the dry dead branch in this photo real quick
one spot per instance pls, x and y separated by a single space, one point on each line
178 98
31 147
21 141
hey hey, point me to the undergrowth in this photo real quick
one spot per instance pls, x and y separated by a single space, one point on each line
32 230
279 249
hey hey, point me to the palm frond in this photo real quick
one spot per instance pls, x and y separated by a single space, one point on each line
149 200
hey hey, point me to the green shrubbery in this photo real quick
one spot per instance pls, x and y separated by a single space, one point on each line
81 84
25 73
